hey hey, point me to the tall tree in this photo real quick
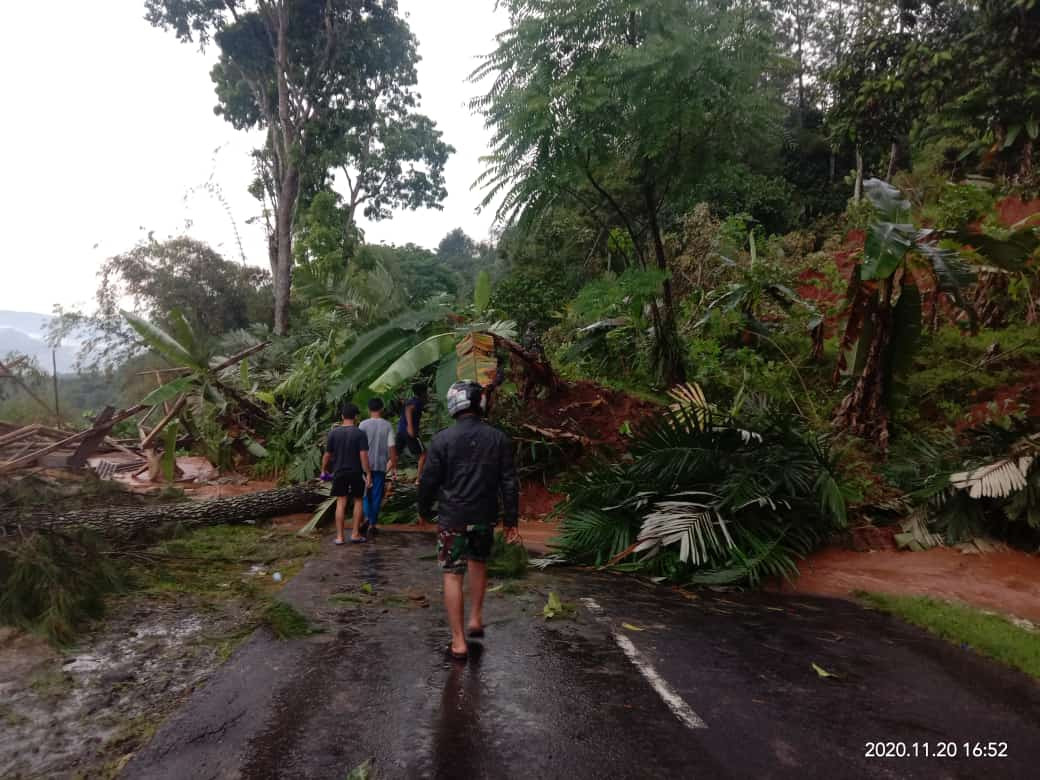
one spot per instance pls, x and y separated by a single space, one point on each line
156 278
621 104
306 71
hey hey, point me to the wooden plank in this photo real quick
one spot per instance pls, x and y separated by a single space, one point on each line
21 433
93 441
26 460
120 447
149 440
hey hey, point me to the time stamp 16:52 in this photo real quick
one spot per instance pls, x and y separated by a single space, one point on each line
935 749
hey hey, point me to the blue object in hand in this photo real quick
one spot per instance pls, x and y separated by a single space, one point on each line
325 477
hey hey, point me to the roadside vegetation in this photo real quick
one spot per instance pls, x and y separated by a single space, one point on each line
762 272
991 635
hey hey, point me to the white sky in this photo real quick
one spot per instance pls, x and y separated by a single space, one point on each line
109 126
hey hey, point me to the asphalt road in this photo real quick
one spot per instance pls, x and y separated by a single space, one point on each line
722 685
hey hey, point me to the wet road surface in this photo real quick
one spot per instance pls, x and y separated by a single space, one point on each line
589 697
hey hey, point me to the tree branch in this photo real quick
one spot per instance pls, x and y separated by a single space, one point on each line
617 208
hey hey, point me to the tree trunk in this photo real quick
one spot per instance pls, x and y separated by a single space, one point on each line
128 523
283 244
668 332
857 192
288 175
892 161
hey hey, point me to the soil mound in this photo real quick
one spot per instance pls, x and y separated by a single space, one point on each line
599 416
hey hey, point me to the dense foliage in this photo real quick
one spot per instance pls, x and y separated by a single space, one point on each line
822 213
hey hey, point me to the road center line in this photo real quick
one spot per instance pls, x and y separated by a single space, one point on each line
672 700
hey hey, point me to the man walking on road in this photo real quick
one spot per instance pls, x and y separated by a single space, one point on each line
469 467
408 432
346 452
382 459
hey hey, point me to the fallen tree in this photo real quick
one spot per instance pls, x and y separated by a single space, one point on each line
122 524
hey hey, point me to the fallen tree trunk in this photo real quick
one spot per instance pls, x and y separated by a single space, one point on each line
128 523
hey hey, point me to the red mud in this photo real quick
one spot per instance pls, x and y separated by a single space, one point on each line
1022 397
590 410
1013 210
1006 582
537 501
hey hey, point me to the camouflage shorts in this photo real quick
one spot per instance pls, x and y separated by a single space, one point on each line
456 546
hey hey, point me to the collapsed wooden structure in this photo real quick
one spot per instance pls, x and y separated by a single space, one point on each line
37 445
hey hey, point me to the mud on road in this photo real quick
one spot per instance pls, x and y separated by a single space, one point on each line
565 698
81 711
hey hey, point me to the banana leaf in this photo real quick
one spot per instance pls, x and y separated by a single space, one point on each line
906 340
447 374
482 292
413 361
317 517
168 391
886 246
161 341
476 358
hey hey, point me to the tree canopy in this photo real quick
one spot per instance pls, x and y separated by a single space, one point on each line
332 82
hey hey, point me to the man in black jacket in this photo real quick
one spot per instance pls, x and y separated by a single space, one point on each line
469 467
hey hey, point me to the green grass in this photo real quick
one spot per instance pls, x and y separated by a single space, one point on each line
286 622
507 560
990 635
346 598
214 562
55 584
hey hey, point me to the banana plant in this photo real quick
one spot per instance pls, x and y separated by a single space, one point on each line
884 324
465 352
200 387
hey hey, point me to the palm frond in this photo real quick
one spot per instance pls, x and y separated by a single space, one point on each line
995 480
687 520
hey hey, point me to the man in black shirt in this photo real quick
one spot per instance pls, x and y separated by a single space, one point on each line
469 467
346 460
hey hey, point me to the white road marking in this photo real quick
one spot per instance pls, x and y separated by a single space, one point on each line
672 700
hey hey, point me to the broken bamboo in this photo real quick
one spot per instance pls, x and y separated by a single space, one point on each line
149 440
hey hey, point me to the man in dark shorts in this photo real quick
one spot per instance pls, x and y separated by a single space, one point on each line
468 469
408 431
346 460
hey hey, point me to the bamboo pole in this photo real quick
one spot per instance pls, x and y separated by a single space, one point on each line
147 442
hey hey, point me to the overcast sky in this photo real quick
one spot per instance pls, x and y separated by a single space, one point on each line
109 133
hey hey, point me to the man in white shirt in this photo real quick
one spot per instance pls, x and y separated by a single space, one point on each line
382 458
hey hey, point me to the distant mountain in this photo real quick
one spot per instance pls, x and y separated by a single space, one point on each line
29 323
25 332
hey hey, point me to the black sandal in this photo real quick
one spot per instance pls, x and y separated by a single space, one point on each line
476 633
457 656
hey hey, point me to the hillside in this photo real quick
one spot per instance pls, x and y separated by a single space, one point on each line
24 332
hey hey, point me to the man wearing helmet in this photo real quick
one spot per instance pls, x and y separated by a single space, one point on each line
469 467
